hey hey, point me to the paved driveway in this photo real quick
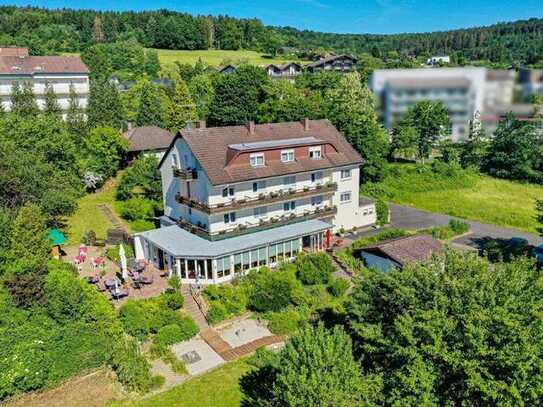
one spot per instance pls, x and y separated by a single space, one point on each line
406 217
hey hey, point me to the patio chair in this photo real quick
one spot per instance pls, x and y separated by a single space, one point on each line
100 286
146 280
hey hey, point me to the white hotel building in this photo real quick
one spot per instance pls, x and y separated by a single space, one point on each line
59 72
240 197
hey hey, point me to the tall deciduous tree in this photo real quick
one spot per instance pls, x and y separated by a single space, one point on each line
475 148
104 108
150 111
452 330
105 148
76 122
316 368
237 96
351 107
23 101
431 120
202 91
152 64
182 108
515 151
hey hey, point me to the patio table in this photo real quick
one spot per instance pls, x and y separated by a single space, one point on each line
110 283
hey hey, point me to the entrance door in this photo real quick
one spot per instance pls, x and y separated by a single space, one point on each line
160 259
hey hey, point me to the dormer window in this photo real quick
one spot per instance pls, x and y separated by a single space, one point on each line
315 153
257 160
287 156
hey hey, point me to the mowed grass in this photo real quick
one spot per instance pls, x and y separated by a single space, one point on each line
220 387
216 57
89 216
473 197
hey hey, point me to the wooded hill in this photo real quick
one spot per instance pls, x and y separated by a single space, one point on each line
66 30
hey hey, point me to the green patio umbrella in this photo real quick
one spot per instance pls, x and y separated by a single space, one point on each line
56 237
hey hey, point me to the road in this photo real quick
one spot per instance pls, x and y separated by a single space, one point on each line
406 217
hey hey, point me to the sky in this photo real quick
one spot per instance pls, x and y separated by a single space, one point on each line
339 16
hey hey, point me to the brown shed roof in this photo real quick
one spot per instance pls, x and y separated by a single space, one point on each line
407 249
13 52
147 138
30 65
210 146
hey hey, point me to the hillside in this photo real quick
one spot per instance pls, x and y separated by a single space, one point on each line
66 30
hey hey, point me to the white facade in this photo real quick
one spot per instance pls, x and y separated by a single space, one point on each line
60 83
340 188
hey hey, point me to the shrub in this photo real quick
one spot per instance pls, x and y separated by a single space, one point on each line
225 301
217 313
135 318
169 334
173 300
157 381
141 225
132 368
383 235
314 269
338 287
112 252
285 322
382 212
273 291
458 227
136 209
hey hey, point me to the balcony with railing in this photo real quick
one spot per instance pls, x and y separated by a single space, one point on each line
188 174
261 224
260 200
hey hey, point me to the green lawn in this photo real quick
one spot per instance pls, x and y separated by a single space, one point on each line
474 197
215 57
219 387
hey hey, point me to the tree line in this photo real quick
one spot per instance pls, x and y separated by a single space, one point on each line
66 30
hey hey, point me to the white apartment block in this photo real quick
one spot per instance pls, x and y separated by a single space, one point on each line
239 197
466 92
59 72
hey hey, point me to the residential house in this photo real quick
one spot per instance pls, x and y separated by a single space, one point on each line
62 73
148 140
439 60
240 197
396 253
284 71
339 63
226 69
531 81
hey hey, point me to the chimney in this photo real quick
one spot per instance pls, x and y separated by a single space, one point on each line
201 124
251 127
305 122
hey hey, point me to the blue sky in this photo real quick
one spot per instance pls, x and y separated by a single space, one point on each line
347 16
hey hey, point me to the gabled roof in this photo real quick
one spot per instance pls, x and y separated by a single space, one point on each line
148 138
211 145
31 65
283 67
409 249
331 59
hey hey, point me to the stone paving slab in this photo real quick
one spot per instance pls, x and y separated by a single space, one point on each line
243 332
198 356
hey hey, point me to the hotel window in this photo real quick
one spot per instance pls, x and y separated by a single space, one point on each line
260 211
259 186
175 163
315 153
238 263
290 180
228 191
246 261
287 156
257 160
254 258
316 200
289 206
262 256
316 176
230 217
345 174
345 196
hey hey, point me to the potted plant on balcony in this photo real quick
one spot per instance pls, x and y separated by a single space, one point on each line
292 215
330 184
319 186
274 194
241 201
306 188
261 196
242 227
274 219
222 232
220 205
291 191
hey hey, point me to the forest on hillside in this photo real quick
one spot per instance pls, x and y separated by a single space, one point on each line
66 30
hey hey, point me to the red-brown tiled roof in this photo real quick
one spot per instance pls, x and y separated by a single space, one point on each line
148 138
210 146
13 52
30 65
408 249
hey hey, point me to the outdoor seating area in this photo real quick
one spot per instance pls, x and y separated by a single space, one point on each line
118 281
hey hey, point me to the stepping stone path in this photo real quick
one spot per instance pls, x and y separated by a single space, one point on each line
112 217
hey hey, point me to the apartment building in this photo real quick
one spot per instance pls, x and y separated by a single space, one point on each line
60 72
465 92
239 197
338 63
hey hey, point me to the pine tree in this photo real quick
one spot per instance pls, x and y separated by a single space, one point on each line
182 108
152 64
97 30
51 102
75 118
150 111
105 108
23 101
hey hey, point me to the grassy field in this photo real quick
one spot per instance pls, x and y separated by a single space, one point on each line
215 57
470 196
219 387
